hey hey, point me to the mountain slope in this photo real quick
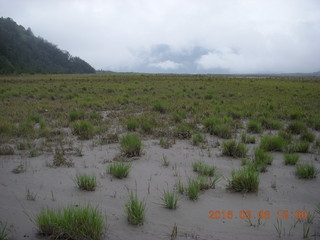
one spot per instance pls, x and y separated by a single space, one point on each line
22 52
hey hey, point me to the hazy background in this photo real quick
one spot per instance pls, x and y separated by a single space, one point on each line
181 36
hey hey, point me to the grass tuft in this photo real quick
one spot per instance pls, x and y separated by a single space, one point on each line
291 158
132 124
71 223
119 169
247 139
245 180
272 143
203 169
86 182
254 127
135 210
306 171
234 149
170 199
193 189
197 139
83 129
131 145
296 127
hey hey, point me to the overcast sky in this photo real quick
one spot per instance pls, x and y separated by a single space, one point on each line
182 36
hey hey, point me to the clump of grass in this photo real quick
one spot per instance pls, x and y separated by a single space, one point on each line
306 171
268 123
245 138
263 156
287 136
165 143
4 231
244 180
178 116
135 210
132 124
234 149
244 161
307 136
180 186
197 139
159 107
170 199
296 127
206 182
218 127
83 129
119 169
193 189
6 149
298 146
254 127
146 126
272 143
76 115
86 182
71 223
59 158
203 169
291 158
131 145
183 131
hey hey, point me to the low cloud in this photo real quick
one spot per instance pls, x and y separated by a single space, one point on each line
166 65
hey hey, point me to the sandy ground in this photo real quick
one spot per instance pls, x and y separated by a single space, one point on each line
55 187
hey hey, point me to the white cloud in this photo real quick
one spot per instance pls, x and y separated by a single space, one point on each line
166 65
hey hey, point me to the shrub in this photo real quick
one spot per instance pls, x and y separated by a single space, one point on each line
183 131
306 171
272 143
71 223
296 127
234 149
131 145
245 138
83 128
135 210
76 115
291 158
307 136
193 189
132 124
119 169
86 182
203 169
254 127
170 199
6 149
245 180
197 139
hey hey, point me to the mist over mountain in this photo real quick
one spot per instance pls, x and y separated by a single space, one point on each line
22 52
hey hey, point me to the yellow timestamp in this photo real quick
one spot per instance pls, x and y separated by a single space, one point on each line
263 214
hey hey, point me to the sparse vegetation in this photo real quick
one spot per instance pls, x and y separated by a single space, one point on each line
86 182
254 127
132 124
296 127
71 223
234 149
83 129
6 149
203 169
197 139
193 189
170 199
119 169
245 138
272 143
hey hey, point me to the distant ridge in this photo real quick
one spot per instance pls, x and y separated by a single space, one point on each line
22 52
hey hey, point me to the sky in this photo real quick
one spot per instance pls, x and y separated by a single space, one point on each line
179 36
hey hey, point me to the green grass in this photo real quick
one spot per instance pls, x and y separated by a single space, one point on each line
119 169
132 124
6 149
296 127
247 139
307 136
218 127
83 129
244 180
203 169
159 107
183 131
4 231
146 126
306 171
170 199
135 210
234 149
272 143
72 222
193 189
76 115
86 182
270 124
298 146
197 139
291 158
254 127
262 156
131 145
